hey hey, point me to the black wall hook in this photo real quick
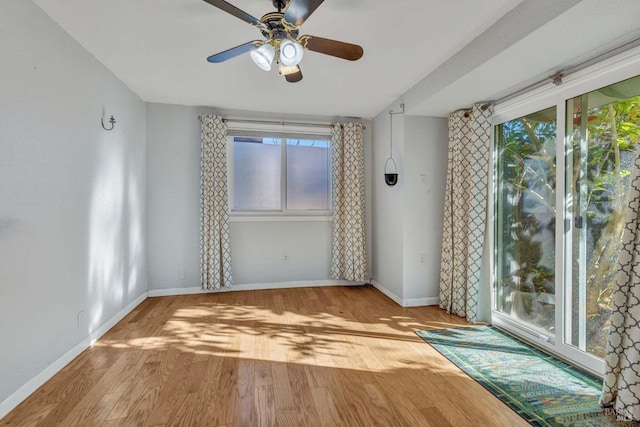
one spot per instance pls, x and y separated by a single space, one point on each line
112 120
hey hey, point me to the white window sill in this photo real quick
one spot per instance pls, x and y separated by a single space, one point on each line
279 218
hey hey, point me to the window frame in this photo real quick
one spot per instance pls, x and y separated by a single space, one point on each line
282 132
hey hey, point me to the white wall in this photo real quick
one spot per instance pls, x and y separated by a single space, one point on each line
174 210
72 196
407 218
173 199
388 205
425 174
258 250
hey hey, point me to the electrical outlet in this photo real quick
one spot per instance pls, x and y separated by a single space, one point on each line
422 258
285 258
182 275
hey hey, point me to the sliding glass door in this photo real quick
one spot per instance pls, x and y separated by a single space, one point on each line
557 241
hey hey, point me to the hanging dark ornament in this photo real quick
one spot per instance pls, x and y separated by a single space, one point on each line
391 175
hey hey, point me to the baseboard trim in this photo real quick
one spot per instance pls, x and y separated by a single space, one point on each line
387 292
253 287
420 302
33 384
411 302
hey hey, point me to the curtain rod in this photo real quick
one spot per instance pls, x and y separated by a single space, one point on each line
557 77
274 122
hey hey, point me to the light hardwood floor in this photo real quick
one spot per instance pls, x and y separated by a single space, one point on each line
332 356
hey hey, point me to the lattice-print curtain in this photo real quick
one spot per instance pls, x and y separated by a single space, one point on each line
349 255
215 243
465 210
621 385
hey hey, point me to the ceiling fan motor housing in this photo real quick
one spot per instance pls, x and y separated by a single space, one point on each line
275 28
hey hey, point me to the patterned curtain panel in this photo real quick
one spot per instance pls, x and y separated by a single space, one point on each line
465 210
349 255
621 385
215 243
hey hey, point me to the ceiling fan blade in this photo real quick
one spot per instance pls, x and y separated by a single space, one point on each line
238 13
294 77
299 10
343 50
234 51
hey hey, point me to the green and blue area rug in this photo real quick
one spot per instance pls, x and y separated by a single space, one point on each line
540 388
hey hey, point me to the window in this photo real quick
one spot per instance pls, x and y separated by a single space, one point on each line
280 175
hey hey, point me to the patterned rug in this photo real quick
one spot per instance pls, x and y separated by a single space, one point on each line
540 388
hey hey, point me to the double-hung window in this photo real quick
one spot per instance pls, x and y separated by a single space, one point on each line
282 175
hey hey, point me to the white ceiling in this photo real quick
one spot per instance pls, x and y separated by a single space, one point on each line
429 51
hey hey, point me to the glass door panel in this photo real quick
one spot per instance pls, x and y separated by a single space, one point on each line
525 219
603 128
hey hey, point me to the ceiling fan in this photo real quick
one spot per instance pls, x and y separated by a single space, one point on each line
282 42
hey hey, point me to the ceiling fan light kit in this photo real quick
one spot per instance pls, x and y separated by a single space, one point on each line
290 53
280 30
263 56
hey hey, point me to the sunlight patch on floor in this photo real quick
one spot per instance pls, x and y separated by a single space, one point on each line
323 339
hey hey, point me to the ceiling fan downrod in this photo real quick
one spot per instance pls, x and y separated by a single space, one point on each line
279 4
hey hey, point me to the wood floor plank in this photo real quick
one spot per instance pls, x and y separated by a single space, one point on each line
95 357
172 392
226 399
262 372
351 399
265 407
245 409
409 414
185 415
205 405
435 417
286 418
306 410
380 408
93 415
126 402
140 410
283 395
86 406
325 407
29 418
326 356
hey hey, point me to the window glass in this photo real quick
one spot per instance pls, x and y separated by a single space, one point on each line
307 174
603 129
525 220
257 164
